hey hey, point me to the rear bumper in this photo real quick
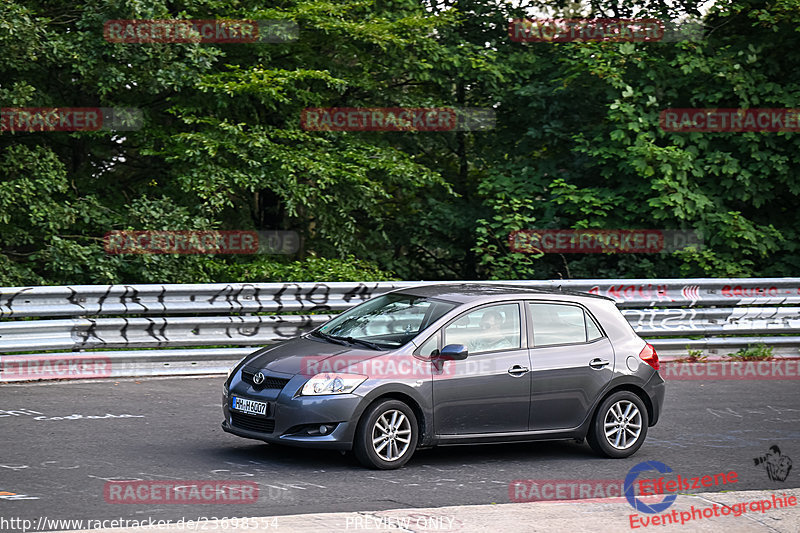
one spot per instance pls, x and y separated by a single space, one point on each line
656 389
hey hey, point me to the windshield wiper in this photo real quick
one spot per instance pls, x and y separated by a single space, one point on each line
330 338
368 344
345 340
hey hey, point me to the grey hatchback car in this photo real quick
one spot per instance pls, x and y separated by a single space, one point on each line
451 364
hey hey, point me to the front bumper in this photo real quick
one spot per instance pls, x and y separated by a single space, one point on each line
292 420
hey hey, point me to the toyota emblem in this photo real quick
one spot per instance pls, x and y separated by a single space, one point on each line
258 379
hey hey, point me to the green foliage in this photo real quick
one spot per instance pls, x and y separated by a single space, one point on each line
587 138
693 356
312 269
577 142
758 352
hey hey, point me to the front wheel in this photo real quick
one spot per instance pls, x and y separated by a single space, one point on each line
386 436
619 426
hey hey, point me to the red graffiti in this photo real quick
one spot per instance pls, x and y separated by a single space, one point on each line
738 290
636 292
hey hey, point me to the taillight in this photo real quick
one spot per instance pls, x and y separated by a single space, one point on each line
649 356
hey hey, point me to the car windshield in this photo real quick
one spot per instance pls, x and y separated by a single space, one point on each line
388 321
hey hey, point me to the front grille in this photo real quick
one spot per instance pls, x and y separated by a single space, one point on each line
253 423
270 382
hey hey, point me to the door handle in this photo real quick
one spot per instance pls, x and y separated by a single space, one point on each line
598 363
518 371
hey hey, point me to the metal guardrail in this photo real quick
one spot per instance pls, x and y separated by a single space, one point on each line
84 333
97 300
726 314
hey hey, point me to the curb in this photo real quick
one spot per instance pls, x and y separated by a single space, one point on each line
575 516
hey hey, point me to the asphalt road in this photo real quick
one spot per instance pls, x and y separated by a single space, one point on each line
169 429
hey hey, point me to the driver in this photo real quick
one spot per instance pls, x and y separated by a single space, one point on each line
491 335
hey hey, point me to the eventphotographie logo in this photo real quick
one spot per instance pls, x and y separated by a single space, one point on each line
776 464
670 487
634 500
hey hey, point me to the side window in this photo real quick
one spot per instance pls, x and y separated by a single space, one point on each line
561 324
592 331
429 346
488 329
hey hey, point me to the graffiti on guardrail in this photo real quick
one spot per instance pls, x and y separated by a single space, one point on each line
240 315
733 319
691 294
183 331
148 299
277 297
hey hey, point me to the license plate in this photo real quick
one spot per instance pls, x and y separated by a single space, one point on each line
251 407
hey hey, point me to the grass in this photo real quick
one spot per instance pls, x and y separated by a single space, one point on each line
695 356
758 352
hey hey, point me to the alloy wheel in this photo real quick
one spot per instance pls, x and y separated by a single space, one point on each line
391 435
622 425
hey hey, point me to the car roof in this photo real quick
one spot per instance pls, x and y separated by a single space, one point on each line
473 292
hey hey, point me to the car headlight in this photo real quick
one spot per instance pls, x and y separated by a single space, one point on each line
330 383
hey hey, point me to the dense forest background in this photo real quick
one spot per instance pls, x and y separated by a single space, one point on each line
577 142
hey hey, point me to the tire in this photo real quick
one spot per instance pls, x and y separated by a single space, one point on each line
393 425
623 413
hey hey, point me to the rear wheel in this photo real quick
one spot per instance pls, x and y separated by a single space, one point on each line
386 436
619 426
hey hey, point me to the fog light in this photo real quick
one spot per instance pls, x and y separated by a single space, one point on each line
322 429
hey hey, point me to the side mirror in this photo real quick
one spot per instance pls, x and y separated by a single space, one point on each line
455 352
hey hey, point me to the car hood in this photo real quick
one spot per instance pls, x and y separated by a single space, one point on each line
308 356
